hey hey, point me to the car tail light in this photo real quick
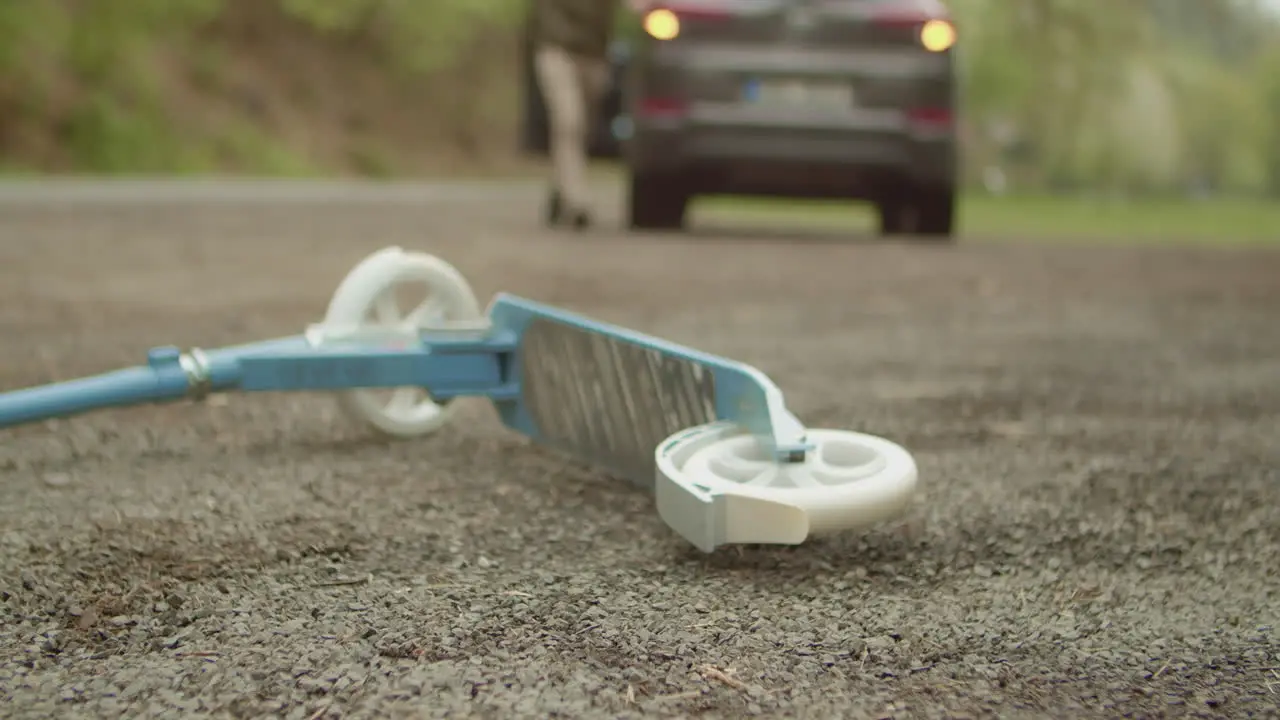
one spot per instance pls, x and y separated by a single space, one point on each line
930 118
661 107
934 33
664 21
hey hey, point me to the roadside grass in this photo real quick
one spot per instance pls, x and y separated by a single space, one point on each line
1228 221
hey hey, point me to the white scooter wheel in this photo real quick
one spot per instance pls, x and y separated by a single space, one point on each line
847 481
369 299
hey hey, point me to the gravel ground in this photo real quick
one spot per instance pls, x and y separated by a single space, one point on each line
1097 428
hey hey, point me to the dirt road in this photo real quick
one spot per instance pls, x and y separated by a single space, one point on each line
1098 433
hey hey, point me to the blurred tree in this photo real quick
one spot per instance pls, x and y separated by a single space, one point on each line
1049 65
1144 94
32 36
419 36
1266 74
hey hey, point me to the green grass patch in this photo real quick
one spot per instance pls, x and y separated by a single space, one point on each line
242 144
1227 221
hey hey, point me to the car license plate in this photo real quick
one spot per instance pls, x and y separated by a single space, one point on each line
800 94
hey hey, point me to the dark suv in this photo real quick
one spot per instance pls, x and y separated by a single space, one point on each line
796 98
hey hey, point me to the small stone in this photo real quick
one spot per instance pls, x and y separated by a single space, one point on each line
880 642
56 479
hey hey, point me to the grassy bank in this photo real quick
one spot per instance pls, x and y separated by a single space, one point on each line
258 87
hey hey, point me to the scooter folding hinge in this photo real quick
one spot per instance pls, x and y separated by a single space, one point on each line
318 334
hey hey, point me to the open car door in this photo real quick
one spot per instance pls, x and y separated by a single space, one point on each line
612 122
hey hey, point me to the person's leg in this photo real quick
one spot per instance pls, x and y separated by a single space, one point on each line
595 75
567 119
593 82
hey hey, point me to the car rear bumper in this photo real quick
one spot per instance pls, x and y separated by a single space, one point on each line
745 158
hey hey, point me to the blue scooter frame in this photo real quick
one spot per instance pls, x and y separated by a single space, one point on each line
604 393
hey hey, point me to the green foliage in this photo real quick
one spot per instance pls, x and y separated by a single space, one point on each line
33 36
418 36
111 50
1123 96
330 15
31 33
1267 74
109 39
991 82
105 47
241 144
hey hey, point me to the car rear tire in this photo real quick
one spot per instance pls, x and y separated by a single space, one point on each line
658 201
935 214
893 214
924 214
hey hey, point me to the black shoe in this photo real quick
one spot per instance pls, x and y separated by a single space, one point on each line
581 220
555 208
